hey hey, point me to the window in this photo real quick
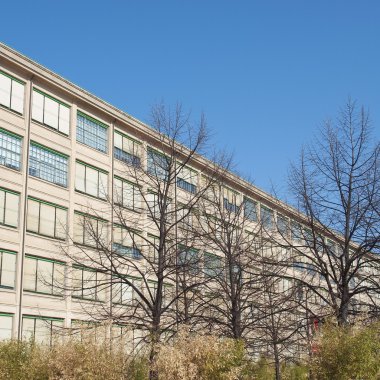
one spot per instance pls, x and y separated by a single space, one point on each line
91 132
282 225
127 149
44 275
158 164
9 203
213 265
6 321
89 284
250 209
297 233
10 149
126 242
41 330
91 180
123 293
48 164
11 93
157 205
188 259
187 180
7 269
127 194
153 245
230 200
51 112
46 219
266 215
90 230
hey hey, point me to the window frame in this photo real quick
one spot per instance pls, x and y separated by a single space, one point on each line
3 218
86 181
10 107
124 155
3 148
13 253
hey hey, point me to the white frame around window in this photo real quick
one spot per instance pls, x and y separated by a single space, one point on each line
7 268
43 275
50 111
47 219
12 92
91 180
9 207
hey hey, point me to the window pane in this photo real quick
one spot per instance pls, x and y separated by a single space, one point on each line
118 140
76 282
51 113
28 329
78 229
118 191
44 276
5 326
64 119
47 220
38 107
60 223
91 133
127 195
42 331
30 273
80 173
91 181
17 100
58 278
10 150
103 183
11 210
8 270
33 215
5 90
2 206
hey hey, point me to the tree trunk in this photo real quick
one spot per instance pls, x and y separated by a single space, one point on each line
277 362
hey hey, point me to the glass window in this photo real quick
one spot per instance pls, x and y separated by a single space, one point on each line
7 268
213 265
91 132
10 150
89 284
47 164
43 275
250 209
123 293
158 164
6 321
231 200
266 216
9 204
51 112
89 230
127 149
127 194
11 93
46 219
40 329
91 180
187 180
188 259
282 225
127 242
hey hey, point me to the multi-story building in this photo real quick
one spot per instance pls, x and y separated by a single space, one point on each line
60 150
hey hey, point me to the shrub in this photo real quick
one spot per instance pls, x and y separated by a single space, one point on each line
348 353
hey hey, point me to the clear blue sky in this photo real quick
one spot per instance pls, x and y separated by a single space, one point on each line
266 73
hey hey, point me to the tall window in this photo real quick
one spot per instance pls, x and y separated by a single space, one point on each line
89 230
231 200
127 194
10 149
46 219
213 265
42 330
158 164
187 180
44 275
6 321
89 284
9 203
123 293
7 268
51 112
127 149
127 242
91 180
283 225
91 132
266 216
250 209
188 259
11 93
48 164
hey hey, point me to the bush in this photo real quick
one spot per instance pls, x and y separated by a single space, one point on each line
347 353
200 357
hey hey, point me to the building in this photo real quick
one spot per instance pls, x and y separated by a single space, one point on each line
60 150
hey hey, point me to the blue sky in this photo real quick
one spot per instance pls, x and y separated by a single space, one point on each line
265 73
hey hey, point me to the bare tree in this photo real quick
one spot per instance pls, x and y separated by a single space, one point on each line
335 240
144 266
